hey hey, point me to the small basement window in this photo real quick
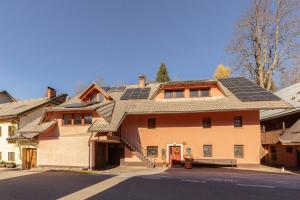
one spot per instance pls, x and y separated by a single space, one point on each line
239 151
151 123
152 151
207 150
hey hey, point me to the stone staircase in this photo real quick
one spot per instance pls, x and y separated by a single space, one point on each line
140 152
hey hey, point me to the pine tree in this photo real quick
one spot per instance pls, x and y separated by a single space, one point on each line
162 74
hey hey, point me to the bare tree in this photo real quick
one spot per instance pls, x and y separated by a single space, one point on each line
266 40
80 86
290 76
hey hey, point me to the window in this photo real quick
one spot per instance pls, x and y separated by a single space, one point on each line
11 156
206 122
194 93
151 123
88 119
238 121
67 119
289 149
207 150
152 151
188 151
179 94
239 151
11 130
205 92
77 119
169 94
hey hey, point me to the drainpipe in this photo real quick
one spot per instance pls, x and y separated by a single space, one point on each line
89 144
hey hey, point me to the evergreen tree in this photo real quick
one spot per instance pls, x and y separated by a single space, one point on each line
162 74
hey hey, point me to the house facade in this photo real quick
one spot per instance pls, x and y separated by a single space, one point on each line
213 121
281 131
14 115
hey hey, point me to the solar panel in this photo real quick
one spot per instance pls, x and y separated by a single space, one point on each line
246 90
106 88
117 89
136 93
79 105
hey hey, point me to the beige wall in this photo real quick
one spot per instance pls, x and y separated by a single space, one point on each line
65 151
187 130
65 145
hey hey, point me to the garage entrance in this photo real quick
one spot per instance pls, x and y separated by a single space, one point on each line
108 154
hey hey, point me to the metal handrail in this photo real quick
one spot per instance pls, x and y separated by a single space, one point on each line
142 151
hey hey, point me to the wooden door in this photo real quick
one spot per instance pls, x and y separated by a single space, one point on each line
29 158
174 155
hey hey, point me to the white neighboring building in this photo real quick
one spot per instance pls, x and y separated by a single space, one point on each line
16 114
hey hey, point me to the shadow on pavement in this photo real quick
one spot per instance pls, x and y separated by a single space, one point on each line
47 185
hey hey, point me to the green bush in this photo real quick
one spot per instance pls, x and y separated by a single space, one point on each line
7 164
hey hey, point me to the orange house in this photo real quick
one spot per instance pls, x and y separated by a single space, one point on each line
212 121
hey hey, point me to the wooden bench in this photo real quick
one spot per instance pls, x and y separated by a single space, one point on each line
221 162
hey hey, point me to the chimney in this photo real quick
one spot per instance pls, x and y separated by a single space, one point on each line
51 92
142 81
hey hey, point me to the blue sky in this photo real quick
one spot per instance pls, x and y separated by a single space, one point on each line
60 42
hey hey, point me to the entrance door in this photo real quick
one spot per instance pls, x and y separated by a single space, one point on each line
29 158
174 155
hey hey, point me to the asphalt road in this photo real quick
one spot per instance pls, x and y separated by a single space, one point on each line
206 183
47 185
201 183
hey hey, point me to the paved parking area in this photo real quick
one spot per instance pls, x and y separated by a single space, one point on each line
200 183
206 183
46 185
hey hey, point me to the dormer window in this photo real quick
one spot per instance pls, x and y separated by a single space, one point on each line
203 92
169 94
97 97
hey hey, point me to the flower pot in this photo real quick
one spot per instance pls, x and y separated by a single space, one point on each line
188 163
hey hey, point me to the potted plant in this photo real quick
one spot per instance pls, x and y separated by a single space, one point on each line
188 159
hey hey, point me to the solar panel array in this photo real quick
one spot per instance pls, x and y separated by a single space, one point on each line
79 105
136 93
106 88
246 90
117 89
